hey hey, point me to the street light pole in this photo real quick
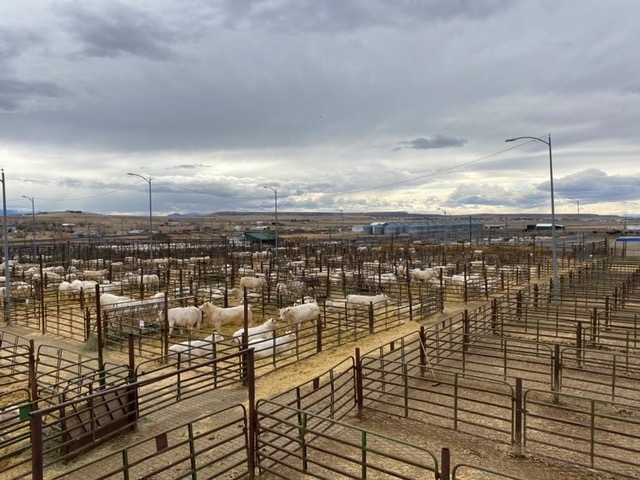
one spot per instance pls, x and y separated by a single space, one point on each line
554 241
577 200
33 227
148 180
275 192
444 233
7 271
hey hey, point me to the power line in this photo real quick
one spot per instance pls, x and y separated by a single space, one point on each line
427 175
347 192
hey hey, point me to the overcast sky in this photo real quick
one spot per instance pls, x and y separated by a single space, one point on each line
359 105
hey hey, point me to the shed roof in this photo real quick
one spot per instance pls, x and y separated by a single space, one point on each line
259 236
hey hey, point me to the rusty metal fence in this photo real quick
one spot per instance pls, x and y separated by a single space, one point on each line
61 432
474 385
293 441
215 445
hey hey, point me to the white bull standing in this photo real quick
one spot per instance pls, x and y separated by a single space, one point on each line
224 316
182 317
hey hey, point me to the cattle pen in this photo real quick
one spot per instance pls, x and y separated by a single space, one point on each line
542 377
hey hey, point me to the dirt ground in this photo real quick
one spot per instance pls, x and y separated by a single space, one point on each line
464 448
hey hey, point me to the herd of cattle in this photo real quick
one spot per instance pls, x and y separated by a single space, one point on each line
132 285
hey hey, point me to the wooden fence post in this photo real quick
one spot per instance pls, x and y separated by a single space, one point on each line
557 373
253 415
445 464
244 362
319 330
99 326
37 447
494 316
423 351
519 412
165 329
33 381
579 344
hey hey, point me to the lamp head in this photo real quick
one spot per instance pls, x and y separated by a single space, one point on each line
510 139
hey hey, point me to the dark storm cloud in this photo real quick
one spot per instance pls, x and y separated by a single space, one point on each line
13 42
589 186
215 99
435 141
593 186
113 29
17 94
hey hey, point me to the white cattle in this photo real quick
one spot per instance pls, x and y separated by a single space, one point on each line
265 348
305 299
109 300
59 269
263 331
65 290
96 275
474 283
234 293
245 271
182 317
423 275
223 316
252 283
355 301
20 289
50 276
151 280
195 348
97 263
387 278
77 262
298 314
214 337
263 255
87 286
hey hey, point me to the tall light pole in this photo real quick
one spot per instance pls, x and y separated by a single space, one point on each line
7 271
148 180
275 192
342 221
577 200
554 241
444 233
33 227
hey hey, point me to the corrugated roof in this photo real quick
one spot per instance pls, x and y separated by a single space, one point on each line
264 236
